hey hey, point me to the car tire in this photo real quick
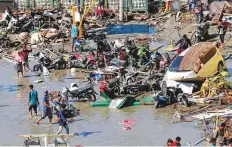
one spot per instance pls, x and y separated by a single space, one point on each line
220 67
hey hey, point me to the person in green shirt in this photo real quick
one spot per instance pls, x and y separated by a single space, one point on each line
33 100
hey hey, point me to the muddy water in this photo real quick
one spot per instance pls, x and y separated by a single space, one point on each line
98 126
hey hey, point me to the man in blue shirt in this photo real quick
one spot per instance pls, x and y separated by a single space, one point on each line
33 100
74 35
61 118
47 109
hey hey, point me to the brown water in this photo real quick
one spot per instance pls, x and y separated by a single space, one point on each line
100 125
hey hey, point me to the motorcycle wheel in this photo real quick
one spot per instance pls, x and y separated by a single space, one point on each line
91 67
63 65
117 91
90 96
37 67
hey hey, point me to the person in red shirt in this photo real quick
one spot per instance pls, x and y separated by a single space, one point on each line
25 53
176 142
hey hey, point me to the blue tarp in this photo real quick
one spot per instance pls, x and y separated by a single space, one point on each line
128 29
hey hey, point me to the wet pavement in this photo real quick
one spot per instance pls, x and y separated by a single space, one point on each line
96 126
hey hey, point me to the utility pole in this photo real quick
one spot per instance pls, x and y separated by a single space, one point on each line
121 11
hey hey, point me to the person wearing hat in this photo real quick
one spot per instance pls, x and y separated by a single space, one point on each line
213 142
47 109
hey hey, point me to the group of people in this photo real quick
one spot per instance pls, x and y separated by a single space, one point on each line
47 109
174 143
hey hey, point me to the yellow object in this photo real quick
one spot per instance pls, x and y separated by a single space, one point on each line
86 11
211 62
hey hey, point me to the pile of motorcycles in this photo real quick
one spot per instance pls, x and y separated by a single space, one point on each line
16 23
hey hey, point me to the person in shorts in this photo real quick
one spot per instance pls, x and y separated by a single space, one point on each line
46 108
74 35
33 100
18 59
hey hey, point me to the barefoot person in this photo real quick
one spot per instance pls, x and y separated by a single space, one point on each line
18 59
47 109
33 100
61 118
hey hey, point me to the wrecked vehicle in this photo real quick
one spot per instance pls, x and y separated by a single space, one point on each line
194 65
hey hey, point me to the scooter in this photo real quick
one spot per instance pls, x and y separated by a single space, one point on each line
136 87
112 89
58 63
88 63
81 94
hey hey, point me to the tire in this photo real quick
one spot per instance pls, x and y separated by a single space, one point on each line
220 67
116 91
91 97
37 67
63 65
91 66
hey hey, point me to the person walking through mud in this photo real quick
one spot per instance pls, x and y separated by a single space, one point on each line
61 118
222 32
18 59
33 100
25 54
47 109
74 35
184 44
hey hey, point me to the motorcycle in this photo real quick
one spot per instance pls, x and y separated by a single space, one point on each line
202 32
17 24
199 14
156 81
81 94
88 63
136 87
57 63
6 18
154 62
132 77
112 88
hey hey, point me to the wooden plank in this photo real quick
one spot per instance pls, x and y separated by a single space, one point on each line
47 135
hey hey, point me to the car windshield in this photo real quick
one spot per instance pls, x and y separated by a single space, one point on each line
175 66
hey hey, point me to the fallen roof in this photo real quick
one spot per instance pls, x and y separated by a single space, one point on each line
191 56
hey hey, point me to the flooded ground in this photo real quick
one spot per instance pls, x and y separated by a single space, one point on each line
98 126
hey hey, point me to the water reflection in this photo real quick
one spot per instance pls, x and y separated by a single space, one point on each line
23 90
